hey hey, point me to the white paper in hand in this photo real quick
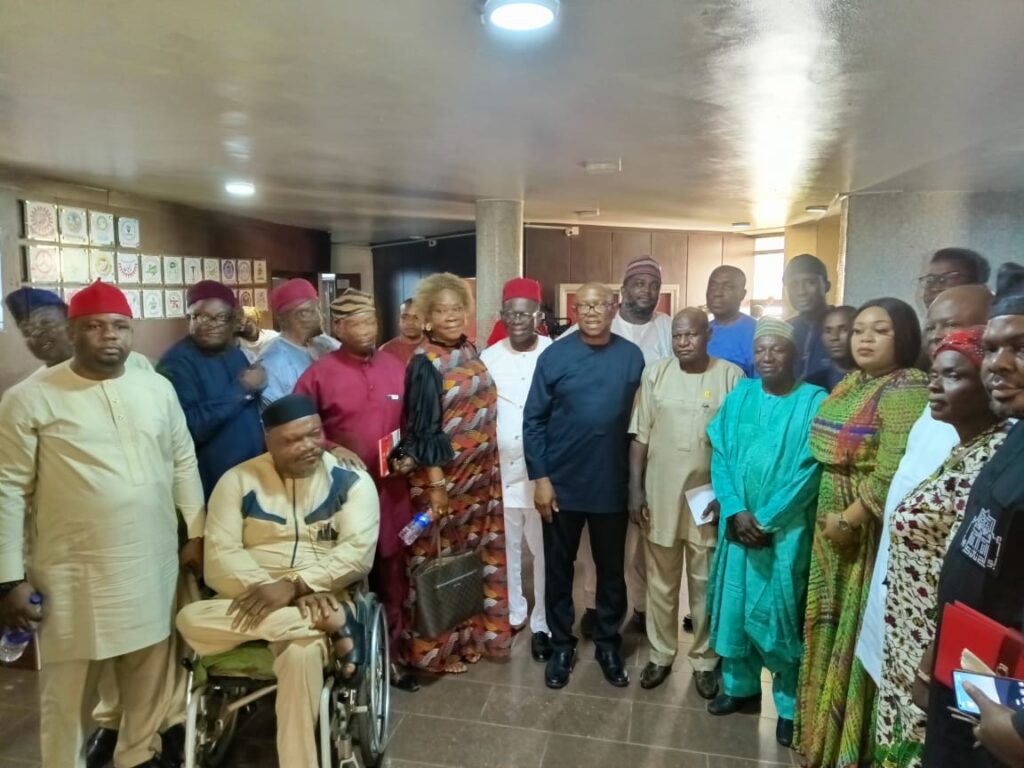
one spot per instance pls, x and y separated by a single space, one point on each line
698 498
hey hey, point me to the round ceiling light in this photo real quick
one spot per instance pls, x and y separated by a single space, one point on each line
521 15
240 188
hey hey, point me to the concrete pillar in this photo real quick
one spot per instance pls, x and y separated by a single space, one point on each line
348 259
499 257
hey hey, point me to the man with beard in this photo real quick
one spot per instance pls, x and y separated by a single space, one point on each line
252 339
512 362
983 569
217 387
928 445
670 455
575 440
296 306
104 452
358 392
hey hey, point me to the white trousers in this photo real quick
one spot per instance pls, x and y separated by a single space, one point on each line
636 571
520 523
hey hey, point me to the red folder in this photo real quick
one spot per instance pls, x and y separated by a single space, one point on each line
999 647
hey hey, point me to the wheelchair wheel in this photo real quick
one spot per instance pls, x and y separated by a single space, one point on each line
216 728
374 693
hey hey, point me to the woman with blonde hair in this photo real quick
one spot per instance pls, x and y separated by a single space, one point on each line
449 448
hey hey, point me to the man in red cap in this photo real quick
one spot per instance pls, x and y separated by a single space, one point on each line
511 362
217 387
104 454
296 306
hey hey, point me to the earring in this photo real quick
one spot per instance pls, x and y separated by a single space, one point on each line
427 328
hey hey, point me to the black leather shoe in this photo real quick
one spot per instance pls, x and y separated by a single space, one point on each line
612 666
403 679
588 622
540 646
172 746
653 675
559 667
707 684
727 705
784 732
99 750
688 623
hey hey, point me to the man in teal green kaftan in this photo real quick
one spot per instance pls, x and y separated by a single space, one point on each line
766 483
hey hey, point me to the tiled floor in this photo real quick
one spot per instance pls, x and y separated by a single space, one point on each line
502 716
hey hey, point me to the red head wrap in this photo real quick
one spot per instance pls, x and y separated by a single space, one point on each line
966 341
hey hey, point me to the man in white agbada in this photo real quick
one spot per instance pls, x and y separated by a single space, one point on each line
103 454
928 445
511 363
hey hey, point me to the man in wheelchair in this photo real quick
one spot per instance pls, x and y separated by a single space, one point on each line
287 534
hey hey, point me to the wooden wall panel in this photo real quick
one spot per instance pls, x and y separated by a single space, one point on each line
628 244
703 255
670 249
546 260
590 256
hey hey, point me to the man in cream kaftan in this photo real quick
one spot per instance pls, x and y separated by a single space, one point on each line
104 454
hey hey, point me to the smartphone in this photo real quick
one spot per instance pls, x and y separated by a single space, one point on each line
1005 690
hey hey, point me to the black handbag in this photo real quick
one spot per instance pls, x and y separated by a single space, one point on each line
449 590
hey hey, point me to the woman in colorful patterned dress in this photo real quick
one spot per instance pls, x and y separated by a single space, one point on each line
858 436
450 447
922 526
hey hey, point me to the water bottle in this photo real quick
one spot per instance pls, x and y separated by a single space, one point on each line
415 528
14 641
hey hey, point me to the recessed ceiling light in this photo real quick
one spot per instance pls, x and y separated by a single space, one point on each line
602 166
240 188
816 209
740 224
521 15
588 213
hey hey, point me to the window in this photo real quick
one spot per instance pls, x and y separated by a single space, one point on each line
769 263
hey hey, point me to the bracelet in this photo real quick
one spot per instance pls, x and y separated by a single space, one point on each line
442 483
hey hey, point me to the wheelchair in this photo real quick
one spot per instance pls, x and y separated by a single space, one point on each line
222 687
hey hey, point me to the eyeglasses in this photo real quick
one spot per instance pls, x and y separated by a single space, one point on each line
202 319
944 278
515 317
593 309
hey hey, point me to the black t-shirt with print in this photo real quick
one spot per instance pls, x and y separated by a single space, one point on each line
983 569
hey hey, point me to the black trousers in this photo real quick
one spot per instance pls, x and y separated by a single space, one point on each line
607 545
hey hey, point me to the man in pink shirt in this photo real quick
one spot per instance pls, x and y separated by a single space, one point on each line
358 392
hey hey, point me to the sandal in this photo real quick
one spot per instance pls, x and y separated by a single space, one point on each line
354 629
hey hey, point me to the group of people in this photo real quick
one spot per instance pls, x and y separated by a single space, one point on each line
822 494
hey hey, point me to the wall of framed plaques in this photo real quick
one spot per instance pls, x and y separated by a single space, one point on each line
65 248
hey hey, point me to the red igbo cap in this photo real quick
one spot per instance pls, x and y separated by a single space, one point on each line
206 290
290 294
98 299
521 288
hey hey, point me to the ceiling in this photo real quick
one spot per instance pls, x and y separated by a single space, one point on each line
382 119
